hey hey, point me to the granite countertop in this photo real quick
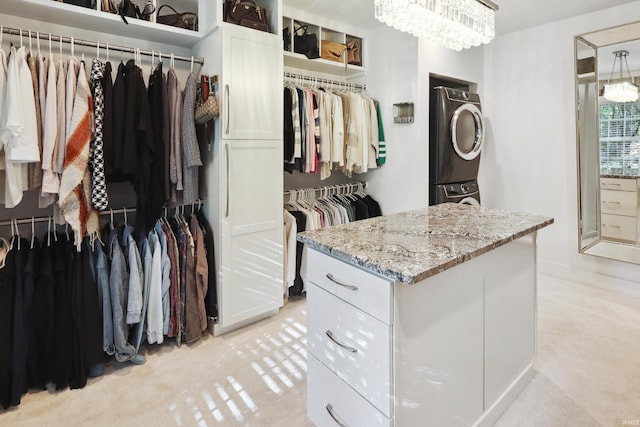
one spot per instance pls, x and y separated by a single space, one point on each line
613 175
411 246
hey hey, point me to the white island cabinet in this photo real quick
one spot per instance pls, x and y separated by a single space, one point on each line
421 318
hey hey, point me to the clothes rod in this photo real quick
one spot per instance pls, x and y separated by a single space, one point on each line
328 190
37 219
97 45
310 79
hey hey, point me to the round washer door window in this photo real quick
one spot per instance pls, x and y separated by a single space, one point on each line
467 131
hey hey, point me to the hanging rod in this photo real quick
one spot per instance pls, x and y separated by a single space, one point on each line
36 219
97 45
325 191
288 75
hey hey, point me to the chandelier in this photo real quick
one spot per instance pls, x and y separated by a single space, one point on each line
454 24
622 91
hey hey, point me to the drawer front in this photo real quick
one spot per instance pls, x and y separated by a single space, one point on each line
618 184
362 289
619 227
619 202
354 345
326 392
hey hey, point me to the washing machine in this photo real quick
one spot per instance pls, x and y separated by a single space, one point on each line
460 192
456 135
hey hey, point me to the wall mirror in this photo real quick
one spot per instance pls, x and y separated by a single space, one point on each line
608 142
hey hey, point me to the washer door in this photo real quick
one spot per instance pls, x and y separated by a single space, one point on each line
467 131
469 201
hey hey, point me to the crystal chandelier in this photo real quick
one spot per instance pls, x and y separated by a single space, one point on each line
622 91
454 24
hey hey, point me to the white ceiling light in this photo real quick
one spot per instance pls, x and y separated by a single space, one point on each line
454 24
622 91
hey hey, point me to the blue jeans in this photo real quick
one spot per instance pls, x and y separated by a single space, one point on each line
138 330
119 292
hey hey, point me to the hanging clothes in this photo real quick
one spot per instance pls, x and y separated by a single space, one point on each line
7 295
75 184
326 130
313 214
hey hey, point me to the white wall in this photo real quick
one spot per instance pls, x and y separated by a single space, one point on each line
529 163
398 71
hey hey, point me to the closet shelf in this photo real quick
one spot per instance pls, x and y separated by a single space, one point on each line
297 60
85 18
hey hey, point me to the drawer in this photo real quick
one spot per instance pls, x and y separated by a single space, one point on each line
619 202
354 345
619 227
325 392
618 184
367 291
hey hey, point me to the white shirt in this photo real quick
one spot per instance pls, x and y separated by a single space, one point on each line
20 108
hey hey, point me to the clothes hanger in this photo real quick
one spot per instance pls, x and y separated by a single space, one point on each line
73 48
48 231
192 64
111 226
107 47
98 51
50 52
125 217
66 230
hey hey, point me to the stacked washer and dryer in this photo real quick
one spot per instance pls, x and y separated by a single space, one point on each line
456 137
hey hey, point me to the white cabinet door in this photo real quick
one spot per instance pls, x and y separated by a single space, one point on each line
251 84
251 267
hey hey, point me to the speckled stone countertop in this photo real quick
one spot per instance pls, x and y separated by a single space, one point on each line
613 175
411 246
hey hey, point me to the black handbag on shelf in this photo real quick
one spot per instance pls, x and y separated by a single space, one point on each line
91 4
306 43
128 9
186 20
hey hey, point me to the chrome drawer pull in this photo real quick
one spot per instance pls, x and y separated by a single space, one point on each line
344 285
334 416
611 203
611 226
335 340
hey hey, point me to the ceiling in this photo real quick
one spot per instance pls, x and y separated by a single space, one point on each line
514 15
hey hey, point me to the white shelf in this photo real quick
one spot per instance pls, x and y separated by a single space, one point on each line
320 65
85 18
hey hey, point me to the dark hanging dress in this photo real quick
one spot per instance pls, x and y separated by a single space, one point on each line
19 356
211 299
64 257
42 320
7 291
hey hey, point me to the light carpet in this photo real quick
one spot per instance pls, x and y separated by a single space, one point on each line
588 374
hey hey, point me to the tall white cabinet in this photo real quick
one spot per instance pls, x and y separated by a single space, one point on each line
244 178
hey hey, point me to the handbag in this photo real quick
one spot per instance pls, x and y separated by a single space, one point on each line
186 20
109 6
353 52
207 108
332 51
306 43
245 13
128 9
286 39
82 3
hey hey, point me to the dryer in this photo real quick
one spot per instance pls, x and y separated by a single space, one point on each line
466 193
456 135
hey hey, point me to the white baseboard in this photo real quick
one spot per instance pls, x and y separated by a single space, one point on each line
495 411
598 280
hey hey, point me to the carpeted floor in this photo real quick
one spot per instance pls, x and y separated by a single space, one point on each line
588 374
